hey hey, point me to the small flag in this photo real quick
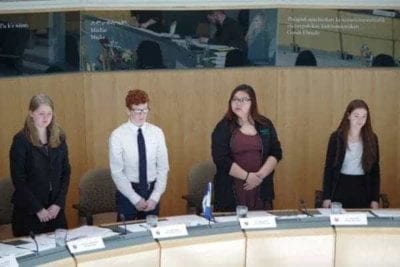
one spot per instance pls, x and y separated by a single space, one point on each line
207 210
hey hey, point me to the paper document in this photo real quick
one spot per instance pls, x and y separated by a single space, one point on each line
44 241
89 231
386 212
188 220
6 250
134 228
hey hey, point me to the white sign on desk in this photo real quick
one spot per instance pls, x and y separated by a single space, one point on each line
169 231
85 244
258 222
8 261
349 219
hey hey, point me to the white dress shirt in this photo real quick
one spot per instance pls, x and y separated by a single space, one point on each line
124 159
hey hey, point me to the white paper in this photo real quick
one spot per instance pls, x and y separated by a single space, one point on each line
295 216
89 231
250 214
258 222
8 261
85 244
134 228
385 213
6 250
188 220
169 231
44 241
349 219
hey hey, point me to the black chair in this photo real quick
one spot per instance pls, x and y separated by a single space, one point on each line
6 207
199 176
383 60
96 197
306 58
235 58
318 199
149 56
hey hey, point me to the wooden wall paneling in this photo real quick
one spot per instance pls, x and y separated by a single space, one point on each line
304 104
12 116
386 110
305 121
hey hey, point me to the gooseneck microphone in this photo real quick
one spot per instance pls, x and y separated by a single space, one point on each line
122 217
32 235
303 207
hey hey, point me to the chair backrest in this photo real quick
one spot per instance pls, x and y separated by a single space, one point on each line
97 191
149 55
6 191
199 176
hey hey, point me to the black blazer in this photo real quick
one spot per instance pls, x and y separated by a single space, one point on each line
224 199
36 173
337 149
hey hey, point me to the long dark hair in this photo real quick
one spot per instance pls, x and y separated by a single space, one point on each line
255 116
369 155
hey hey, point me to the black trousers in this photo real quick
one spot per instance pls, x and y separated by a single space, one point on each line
125 207
352 192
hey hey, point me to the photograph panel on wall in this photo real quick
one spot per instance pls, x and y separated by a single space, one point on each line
38 43
338 38
125 40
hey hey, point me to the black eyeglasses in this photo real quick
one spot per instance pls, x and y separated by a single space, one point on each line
241 100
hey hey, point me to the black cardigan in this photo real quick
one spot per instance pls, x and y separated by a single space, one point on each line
337 148
33 173
224 199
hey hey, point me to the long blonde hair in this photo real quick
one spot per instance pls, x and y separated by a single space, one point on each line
254 30
55 133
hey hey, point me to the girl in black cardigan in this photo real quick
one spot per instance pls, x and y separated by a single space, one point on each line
352 174
246 150
40 171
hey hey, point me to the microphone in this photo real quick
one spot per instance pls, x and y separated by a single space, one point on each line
122 217
32 235
303 207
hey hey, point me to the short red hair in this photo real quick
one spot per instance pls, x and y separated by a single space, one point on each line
136 97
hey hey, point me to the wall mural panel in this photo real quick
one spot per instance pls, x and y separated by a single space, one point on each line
134 40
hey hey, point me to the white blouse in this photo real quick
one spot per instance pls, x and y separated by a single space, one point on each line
352 164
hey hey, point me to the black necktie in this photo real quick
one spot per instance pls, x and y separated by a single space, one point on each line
142 160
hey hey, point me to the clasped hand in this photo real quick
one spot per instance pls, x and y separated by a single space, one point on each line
146 205
253 180
48 214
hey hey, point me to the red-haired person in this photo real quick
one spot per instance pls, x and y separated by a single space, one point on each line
246 150
138 161
352 174
40 171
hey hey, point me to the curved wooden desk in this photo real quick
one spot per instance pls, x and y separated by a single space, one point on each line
310 241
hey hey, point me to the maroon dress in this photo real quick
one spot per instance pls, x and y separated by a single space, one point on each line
246 151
